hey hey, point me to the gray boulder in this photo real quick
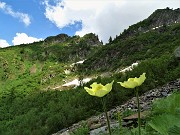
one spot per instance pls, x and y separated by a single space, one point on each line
177 53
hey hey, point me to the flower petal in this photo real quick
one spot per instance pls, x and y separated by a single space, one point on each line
141 79
130 79
104 90
90 91
129 84
133 82
101 93
98 89
93 85
122 84
108 87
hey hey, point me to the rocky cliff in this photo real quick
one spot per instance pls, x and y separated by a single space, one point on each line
159 18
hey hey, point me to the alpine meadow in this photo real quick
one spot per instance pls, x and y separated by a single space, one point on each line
61 84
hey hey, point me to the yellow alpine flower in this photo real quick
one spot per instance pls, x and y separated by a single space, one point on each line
99 90
133 82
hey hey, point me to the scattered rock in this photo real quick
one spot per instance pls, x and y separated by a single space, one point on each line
103 129
135 116
33 69
97 124
94 126
62 132
65 133
164 94
93 120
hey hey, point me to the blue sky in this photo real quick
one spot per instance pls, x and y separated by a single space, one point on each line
26 21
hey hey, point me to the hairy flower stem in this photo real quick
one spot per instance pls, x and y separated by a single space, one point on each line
105 110
120 124
139 120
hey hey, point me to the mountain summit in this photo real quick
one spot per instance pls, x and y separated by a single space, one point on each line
159 18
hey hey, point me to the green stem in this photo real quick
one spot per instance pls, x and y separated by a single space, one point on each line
120 124
105 110
139 120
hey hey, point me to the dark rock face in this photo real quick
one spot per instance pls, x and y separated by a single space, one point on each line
158 19
91 39
165 17
56 39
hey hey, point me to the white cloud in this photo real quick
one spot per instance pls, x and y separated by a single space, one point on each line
22 16
22 38
103 17
3 43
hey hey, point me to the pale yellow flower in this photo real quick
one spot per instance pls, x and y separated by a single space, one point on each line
133 82
99 90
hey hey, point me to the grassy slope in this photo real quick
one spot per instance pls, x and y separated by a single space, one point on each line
26 109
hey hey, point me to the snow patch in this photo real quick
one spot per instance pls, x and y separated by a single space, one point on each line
79 62
76 82
130 67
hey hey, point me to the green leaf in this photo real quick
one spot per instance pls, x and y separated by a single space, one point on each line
161 123
175 130
170 105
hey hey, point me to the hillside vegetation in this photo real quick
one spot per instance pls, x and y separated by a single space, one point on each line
121 53
29 105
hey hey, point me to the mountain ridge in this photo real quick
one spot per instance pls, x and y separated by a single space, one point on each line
28 103
160 17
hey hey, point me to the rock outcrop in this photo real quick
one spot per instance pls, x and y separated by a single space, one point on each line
88 39
56 39
91 39
159 18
